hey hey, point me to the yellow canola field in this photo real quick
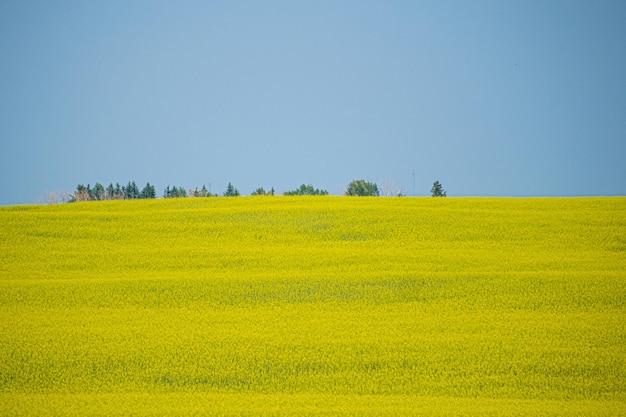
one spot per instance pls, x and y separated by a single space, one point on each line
314 306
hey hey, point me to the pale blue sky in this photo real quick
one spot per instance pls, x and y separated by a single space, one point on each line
488 97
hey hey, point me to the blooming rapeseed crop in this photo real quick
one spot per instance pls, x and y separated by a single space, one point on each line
308 306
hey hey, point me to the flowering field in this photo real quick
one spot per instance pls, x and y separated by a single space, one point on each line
314 306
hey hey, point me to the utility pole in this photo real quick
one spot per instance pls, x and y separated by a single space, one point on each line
413 183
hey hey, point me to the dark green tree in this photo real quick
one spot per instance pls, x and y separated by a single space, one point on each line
362 188
174 192
119 191
261 191
131 191
306 190
98 192
110 192
202 193
148 191
231 191
437 190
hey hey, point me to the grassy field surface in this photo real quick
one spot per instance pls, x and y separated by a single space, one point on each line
314 306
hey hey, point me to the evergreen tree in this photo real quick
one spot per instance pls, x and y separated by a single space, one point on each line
174 192
132 191
148 192
119 191
231 191
437 190
306 190
110 192
99 192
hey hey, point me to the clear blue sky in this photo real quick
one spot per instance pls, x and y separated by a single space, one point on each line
488 97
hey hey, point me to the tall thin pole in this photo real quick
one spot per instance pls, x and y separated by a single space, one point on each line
413 183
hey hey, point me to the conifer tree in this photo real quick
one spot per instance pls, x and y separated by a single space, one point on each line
98 192
148 192
437 190
110 192
306 190
231 191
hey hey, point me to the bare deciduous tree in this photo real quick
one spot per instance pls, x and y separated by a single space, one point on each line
64 196
389 188
51 198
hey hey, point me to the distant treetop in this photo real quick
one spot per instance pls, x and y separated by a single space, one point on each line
362 188
306 190
117 192
231 191
131 191
437 190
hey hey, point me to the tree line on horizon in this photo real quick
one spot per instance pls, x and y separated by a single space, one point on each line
131 191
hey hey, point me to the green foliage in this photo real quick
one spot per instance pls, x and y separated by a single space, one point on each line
119 192
437 190
231 191
132 191
99 192
261 191
201 193
306 190
175 192
148 192
110 190
362 188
